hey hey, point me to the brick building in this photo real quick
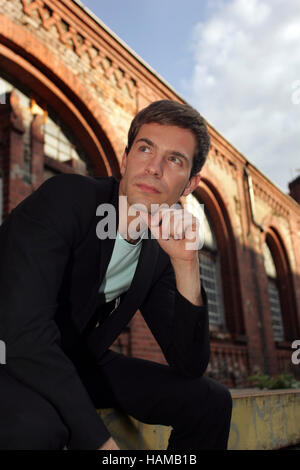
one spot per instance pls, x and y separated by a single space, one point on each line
69 90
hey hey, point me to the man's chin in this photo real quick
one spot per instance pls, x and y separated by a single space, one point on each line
140 206
144 204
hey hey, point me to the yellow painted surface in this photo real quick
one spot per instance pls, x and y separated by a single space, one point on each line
265 420
260 420
131 434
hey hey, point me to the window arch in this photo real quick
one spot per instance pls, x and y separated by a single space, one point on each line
220 225
59 142
273 294
209 259
280 286
61 145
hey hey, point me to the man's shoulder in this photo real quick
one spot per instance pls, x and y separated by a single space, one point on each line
66 197
81 185
78 194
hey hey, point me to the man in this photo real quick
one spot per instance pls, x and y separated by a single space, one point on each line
67 291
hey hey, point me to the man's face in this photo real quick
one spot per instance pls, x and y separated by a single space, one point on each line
158 166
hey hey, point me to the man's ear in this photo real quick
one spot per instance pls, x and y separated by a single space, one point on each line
123 163
192 184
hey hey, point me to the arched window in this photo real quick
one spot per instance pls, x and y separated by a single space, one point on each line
273 293
61 145
209 259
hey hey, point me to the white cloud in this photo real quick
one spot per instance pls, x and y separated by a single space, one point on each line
247 59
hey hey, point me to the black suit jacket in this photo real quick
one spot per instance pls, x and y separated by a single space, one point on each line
51 267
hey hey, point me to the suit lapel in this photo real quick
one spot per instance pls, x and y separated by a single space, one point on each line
94 259
105 247
101 338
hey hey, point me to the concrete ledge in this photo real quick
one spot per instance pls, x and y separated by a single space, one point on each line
131 434
267 419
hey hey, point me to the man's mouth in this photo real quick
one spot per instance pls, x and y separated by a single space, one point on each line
147 189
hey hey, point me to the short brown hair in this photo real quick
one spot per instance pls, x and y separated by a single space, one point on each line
173 113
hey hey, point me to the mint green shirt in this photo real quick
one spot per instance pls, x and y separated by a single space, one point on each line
121 268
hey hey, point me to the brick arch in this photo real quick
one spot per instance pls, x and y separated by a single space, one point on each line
30 62
217 208
277 247
272 228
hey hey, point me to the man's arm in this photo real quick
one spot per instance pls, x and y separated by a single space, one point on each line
176 309
180 327
33 256
187 276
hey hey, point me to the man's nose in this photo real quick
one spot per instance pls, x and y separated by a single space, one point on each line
154 165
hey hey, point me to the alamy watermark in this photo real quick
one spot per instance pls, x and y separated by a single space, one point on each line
164 221
296 92
2 92
2 352
296 354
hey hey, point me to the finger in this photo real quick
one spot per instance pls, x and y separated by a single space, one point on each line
167 225
179 226
172 222
155 221
192 237
145 217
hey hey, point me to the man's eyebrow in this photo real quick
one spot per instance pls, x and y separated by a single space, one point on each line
148 141
173 152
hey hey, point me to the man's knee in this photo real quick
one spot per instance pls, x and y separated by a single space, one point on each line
219 399
211 397
34 431
224 399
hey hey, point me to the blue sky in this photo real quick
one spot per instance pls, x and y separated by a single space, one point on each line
236 61
159 31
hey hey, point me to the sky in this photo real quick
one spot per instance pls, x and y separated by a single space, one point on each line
236 61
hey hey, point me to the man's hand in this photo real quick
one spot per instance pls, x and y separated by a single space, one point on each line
177 232
110 444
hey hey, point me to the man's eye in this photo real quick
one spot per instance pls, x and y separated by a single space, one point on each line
175 160
144 148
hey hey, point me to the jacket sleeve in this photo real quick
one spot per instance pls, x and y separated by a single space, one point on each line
33 255
180 327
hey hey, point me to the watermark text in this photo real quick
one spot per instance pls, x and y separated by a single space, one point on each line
165 222
296 354
2 352
296 92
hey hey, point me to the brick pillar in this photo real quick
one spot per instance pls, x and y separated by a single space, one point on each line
4 151
269 352
295 230
12 127
260 347
37 149
79 166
